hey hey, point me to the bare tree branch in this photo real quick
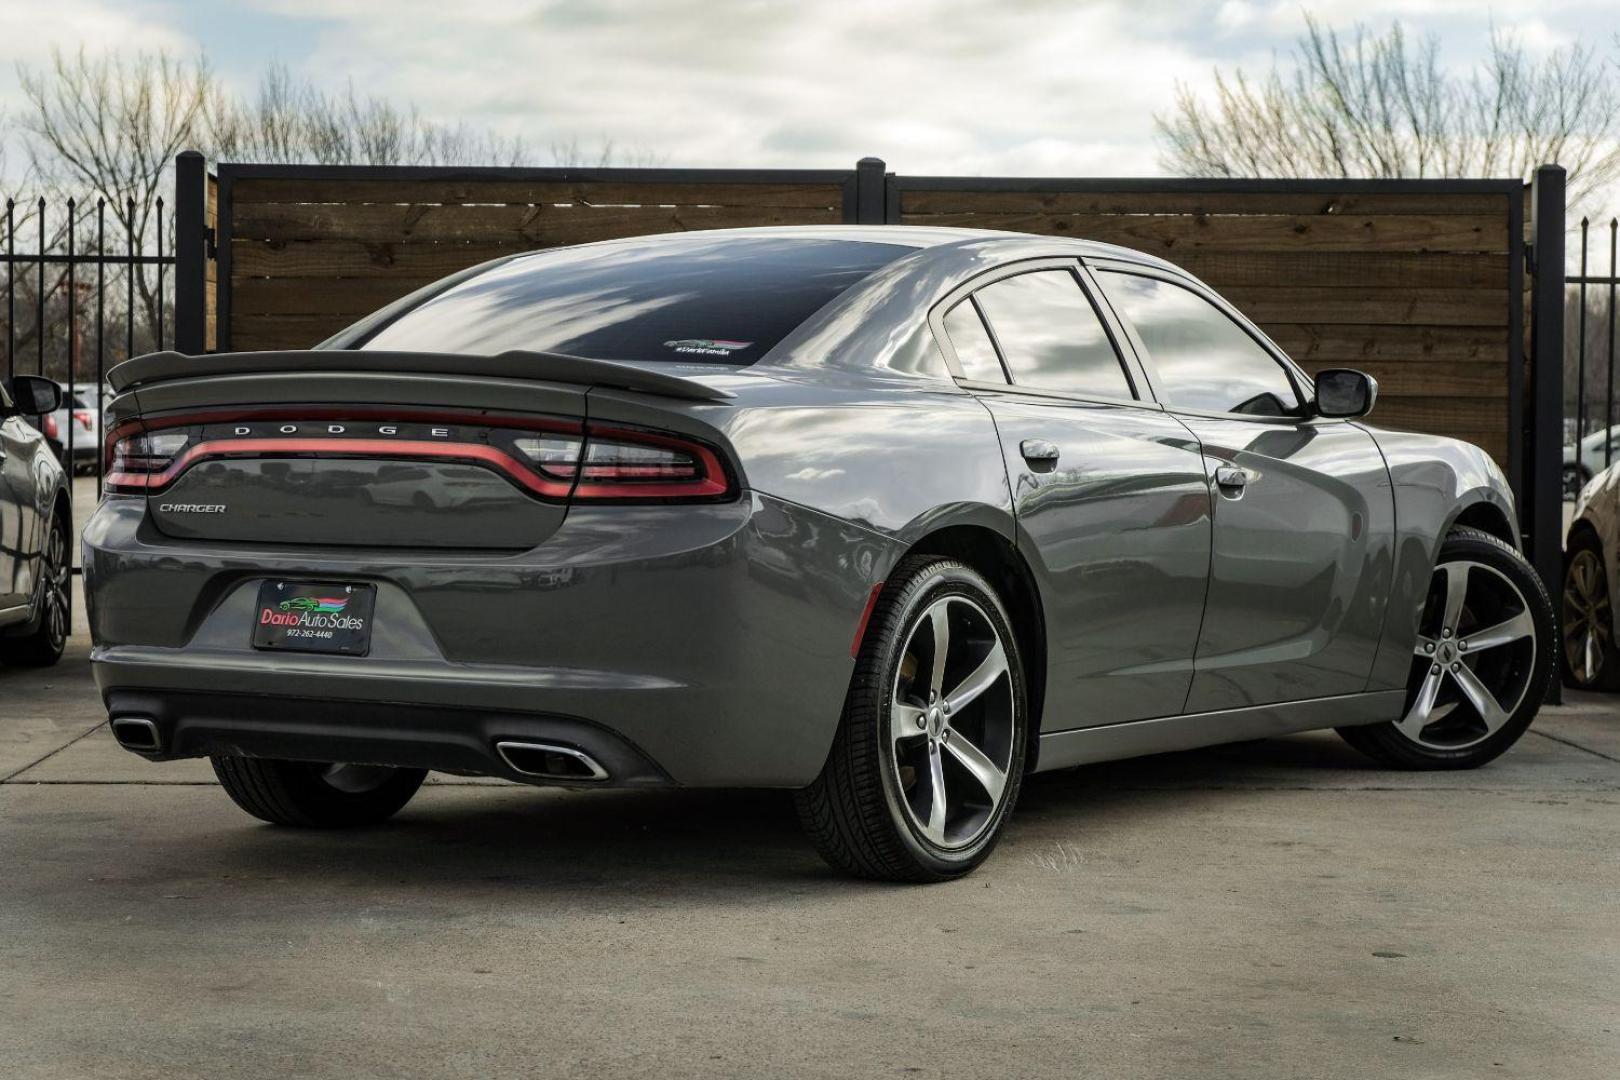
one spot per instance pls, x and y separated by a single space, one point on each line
1382 106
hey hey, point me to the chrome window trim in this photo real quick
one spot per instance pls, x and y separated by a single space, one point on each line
1113 327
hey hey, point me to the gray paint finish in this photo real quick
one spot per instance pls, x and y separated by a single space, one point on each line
850 443
1117 533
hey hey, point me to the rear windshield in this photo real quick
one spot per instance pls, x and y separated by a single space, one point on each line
718 300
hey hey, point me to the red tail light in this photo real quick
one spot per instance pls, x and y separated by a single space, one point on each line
83 418
612 464
554 460
138 461
49 426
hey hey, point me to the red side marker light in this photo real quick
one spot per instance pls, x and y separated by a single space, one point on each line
866 617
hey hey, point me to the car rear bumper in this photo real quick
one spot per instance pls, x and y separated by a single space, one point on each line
696 645
467 741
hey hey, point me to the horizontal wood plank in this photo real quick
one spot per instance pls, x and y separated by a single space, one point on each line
1434 379
352 258
1348 345
1347 269
254 332
1374 306
921 203
352 297
1167 236
537 225
600 193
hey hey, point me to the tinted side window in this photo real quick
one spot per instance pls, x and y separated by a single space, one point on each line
1205 361
974 349
1051 337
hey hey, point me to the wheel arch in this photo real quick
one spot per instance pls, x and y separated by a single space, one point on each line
1485 515
994 557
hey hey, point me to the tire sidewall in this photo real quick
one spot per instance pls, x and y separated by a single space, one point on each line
934 583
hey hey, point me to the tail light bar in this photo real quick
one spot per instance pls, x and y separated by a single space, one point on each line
553 460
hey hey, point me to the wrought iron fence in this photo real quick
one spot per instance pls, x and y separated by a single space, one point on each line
84 305
1590 361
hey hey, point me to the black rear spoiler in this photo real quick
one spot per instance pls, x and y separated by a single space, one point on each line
544 367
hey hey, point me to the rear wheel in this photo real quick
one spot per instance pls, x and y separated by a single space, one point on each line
42 646
928 758
316 795
1589 656
1481 665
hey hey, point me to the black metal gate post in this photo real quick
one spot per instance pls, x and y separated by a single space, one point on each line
871 197
1545 511
190 253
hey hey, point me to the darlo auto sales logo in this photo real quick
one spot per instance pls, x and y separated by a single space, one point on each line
311 613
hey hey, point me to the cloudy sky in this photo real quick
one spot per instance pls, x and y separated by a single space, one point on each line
1033 87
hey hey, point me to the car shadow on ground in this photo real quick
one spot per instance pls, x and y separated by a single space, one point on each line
707 842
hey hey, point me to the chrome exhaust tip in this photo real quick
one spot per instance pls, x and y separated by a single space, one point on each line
137 733
549 761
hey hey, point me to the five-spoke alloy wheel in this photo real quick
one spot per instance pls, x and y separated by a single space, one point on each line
928 759
1480 665
952 722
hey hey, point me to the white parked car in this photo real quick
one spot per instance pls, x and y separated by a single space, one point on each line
77 423
1598 451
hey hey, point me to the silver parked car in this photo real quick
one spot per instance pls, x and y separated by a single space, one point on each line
889 516
1598 450
73 428
35 523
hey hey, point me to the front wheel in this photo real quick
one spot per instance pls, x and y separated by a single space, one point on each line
928 757
1481 665
316 795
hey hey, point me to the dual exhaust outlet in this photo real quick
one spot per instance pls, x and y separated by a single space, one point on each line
544 761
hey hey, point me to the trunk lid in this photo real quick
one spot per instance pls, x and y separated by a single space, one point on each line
361 449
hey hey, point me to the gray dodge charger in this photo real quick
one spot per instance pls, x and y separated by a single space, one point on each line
892 517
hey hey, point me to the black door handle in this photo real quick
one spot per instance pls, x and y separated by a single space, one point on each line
1038 450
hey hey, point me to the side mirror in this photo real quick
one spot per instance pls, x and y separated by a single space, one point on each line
34 396
1344 393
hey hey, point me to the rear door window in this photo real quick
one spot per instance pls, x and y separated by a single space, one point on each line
1051 337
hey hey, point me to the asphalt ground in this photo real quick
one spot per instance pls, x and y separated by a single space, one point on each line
1275 908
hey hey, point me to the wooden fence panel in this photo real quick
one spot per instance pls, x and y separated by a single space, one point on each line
1409 282
1412 282
310 254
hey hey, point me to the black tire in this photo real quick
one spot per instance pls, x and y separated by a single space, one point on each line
860 811
312 795
1585 606
45 638
1527 664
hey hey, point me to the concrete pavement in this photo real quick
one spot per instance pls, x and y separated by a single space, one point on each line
1279 908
